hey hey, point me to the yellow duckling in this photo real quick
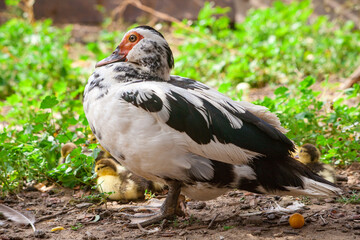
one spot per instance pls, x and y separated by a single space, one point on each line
112 177
65 151
310 155
103 153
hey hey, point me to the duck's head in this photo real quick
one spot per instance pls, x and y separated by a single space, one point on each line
145 47
106 166
308 153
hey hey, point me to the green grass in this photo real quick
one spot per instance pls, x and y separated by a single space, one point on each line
280 44
354 198
42 92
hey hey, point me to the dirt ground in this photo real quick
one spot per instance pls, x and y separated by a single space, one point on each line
235 215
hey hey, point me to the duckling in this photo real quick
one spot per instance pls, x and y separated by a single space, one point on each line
65 151
310 155
103 153
126 186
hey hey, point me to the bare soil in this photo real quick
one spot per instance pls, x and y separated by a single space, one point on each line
235 215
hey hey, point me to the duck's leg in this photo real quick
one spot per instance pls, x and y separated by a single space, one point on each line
168 208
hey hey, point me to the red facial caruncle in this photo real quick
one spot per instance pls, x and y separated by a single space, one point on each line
120 53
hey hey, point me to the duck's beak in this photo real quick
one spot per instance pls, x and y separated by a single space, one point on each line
116 56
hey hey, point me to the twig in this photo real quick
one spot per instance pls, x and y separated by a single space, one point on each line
323 220
163 224
28 7
166 17
213 220
53 215
148 231
354 78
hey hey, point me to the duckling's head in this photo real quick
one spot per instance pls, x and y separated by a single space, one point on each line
103 153
65 151
91 139
106 166
308 153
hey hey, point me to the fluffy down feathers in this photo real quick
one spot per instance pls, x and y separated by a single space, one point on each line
309 155
124 185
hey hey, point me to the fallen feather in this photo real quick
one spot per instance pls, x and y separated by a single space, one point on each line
277 209
16 216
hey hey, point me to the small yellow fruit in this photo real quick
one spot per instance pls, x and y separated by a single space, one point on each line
296 220
57 229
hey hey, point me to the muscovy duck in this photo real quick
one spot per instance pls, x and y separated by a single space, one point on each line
178 131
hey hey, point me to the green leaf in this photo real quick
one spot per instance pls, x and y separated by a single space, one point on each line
48 102
307 82
281 90
12 2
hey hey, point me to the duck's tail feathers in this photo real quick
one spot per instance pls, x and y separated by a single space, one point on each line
284 176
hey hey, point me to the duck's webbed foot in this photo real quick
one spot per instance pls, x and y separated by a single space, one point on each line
168 209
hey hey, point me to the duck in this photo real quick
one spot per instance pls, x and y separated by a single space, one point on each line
66 149
123 185
180 132
309 155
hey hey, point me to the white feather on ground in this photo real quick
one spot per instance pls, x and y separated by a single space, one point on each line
16 216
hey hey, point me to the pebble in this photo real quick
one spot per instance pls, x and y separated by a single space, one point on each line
196 205
256 233
105 214
254 220
280 234
221 237
348 226
15 238
89 236
245 206
39 234
271 216
329 200
291 232
355 217
356 227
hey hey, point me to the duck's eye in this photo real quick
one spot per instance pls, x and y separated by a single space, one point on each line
132 38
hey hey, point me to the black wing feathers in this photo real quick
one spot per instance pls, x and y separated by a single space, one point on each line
211 122
184 117
149 102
